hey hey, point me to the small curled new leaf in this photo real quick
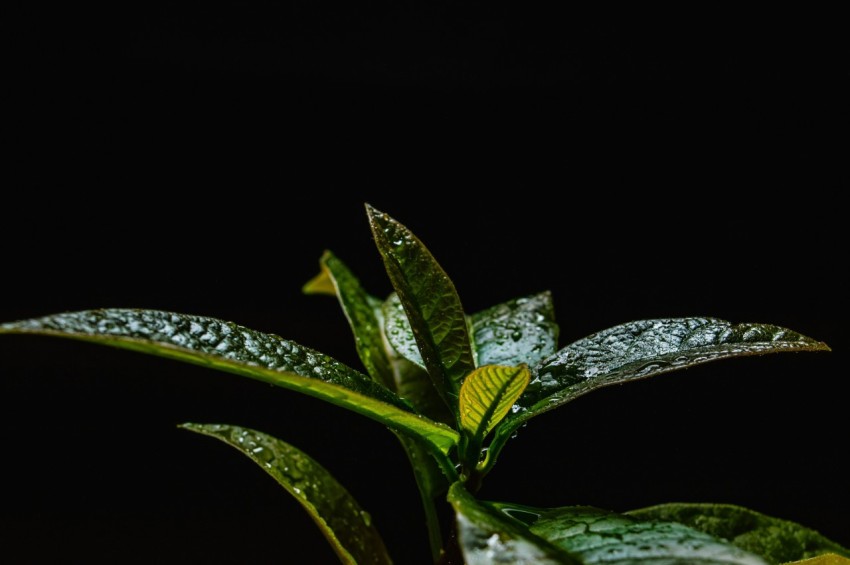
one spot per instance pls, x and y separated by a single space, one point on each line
347 527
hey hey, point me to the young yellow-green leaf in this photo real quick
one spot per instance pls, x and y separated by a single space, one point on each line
487 395
600 536
229 347
430 301
522 330
488 537
639 350
359 309
776 540
347 527
825 559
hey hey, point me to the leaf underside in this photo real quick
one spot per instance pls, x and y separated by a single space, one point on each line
347 527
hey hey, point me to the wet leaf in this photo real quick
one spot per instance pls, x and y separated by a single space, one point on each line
347 527
229 347
486 536
522 330
600 536
430 302
359 309
639 350
398 330
776 540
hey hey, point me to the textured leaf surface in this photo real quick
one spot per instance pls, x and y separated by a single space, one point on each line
487 395
430 301
638 350
488 537
776 540
398 330
359 309
522 330
233 348
599 536
347 527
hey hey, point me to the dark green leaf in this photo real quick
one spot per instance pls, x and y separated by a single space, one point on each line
486 536
776 540
520 331
638 350
430 301
233 348
347 527
599 536
359 309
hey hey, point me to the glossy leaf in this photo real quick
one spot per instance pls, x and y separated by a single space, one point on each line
600 536
487 395
383 364
639 350
347 527
776 540
233 348
398 330
359 309
430 301
487 537
522 330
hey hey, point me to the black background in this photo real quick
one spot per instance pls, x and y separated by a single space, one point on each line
200 158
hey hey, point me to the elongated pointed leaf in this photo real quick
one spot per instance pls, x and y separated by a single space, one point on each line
776 540
383 364
359 309
487 395
233 348
599 536
639 350
487 537
347 527
430 301
522 330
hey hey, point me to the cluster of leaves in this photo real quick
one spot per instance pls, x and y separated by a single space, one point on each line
454 388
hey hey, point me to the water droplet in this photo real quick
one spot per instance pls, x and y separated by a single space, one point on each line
516 335
367 518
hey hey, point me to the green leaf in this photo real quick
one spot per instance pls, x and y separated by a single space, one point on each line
347 527
235 349
776 540
486 536
638 350
600 536
359 309
522 330
487 395
430 301
825 559
383 364
398 330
